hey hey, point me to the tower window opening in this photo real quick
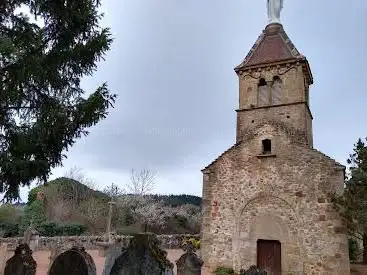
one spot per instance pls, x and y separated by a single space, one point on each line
264 93
276 90
262 82
266 146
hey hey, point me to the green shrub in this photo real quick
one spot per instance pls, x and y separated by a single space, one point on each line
193 241
34 213
48 229
9 230
224 271
197 244
8 212
10 218
354 250
73 229
32 195
51 229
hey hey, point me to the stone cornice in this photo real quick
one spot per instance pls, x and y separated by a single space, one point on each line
282 67
274 106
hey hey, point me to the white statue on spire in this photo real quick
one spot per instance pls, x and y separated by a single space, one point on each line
274 9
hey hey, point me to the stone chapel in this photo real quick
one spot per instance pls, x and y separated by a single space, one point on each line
266 199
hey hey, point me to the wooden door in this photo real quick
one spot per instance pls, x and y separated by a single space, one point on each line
269 256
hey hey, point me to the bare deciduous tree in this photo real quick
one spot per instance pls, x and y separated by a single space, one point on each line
78 174
114 191
142 182
92 213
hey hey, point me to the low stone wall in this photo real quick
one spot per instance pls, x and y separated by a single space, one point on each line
92 242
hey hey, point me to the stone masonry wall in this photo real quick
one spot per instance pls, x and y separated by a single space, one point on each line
295 117
283 196
293 110
91 242
292 77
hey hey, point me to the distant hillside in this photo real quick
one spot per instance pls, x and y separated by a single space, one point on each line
64 204
72 189
69 186
178 200
67 189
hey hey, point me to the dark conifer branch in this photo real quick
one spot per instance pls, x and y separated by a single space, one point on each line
42 108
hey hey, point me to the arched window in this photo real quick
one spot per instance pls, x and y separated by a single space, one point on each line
276 90
264 93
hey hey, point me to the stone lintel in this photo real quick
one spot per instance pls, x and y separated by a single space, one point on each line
266 155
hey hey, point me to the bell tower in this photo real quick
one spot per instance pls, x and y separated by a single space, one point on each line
266 199
274 81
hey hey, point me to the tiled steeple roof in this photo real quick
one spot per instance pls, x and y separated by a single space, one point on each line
273 45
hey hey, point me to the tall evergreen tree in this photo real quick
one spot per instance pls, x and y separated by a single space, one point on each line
353 203
44 53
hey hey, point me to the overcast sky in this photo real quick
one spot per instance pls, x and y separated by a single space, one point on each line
171 65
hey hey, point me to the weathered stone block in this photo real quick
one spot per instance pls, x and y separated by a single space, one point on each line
143 256
22 263
189 264
3 255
